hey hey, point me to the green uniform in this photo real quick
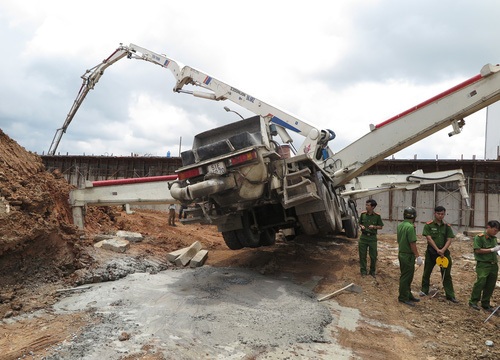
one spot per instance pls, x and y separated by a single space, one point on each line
440 233
486 270
368 241
406 235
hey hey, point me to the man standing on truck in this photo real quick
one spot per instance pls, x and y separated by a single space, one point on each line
369 222
407 252
438 234
486 250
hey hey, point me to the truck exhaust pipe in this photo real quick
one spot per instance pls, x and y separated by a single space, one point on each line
201 189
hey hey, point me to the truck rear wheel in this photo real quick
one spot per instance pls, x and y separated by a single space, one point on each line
327 221
307 224
267 237
231 240
249 236
350 224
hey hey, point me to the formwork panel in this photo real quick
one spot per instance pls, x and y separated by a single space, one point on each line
493 207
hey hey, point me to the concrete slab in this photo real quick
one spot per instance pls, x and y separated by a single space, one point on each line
130 236
199 259
116 245
186 257
202 313
175 254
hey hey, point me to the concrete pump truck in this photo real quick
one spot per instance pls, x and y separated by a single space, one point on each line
249 180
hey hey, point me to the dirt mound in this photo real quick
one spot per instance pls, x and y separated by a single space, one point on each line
35 203
37 237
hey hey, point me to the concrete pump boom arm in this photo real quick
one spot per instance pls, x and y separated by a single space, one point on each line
369 185
90 79
217 90
448 108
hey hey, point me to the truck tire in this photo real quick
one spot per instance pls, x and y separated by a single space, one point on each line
268 237
249 236
307 224
231 240
351 226
327 221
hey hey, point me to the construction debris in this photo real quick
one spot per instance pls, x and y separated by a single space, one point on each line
175 254
117 245
192 255
129 235
186 257
199 259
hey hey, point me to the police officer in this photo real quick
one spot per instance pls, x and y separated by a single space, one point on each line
438 234
369 222
407 253
485 252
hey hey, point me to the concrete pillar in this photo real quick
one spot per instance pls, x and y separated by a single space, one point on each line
78 218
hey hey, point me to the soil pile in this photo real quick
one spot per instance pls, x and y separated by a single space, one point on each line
37 237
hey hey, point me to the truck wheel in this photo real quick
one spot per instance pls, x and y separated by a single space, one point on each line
327 220
249 235
231 240
268 237
307 224
351 224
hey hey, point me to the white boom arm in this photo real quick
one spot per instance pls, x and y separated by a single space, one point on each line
368 185
186 75
415 124
90 79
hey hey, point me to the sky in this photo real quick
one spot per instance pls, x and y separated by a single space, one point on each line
342 65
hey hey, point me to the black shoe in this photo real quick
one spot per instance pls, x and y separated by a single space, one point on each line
474 306
409 303
373 276
453 300
488 308
415 299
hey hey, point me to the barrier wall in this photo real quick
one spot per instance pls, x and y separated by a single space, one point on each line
483 185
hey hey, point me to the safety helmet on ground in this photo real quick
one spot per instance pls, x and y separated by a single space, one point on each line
410 213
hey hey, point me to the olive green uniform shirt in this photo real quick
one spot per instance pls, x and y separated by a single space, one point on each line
485 241
406 235
366 220
438 232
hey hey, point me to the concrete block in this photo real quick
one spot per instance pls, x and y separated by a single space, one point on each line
186 257
100 237
199 259
116 245
130 236
175 254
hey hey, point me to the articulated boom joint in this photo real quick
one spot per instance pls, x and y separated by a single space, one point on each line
457 127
